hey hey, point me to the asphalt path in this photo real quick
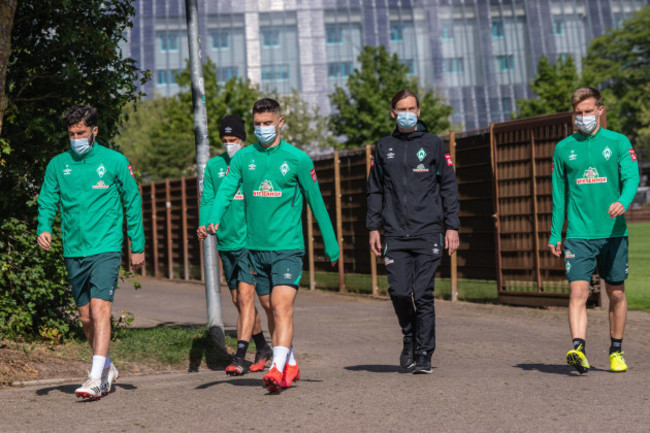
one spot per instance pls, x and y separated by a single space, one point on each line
496 369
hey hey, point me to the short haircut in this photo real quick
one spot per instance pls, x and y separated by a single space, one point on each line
80 113
404 93
585 93
266 105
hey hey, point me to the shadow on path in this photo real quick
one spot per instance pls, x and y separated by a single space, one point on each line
562 369
374 368
70 389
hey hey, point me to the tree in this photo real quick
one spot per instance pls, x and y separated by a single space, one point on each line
554 84
7 11
63 52
362 111
617 63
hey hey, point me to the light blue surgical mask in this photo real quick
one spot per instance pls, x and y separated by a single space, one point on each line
82 145
266 134
407 120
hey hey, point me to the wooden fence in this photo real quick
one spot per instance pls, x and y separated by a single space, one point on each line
504 186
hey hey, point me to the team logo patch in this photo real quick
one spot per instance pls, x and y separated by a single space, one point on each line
449 161
287 276
607 153
101 170
238 195
573 156
222 173
420 169
266 190
252 165
568 254
66 170
227 129
390 155
421 154
388 261
100 185
632 154
591 176
568 267
313 174
284 168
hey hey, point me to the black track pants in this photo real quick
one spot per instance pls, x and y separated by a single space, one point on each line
411 264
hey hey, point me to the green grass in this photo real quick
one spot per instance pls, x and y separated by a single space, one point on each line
637 286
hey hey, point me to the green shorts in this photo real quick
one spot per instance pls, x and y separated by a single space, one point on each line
93 276
610 255
277 268
236 267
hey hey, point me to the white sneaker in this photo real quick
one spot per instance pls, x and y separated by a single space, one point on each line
91 389
109 376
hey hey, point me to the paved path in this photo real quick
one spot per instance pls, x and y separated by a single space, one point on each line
497 369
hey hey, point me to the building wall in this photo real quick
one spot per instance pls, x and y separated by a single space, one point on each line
479 54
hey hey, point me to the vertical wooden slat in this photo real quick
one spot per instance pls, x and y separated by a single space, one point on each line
154 229
186 248
454 256
143 268
497 224
538 271
168 224
373 258
339 219
310 249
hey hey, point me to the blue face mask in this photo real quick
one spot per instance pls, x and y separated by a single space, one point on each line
407 120
266 134
82 145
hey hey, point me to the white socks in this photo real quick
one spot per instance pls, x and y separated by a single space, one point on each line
98 366
280 355
108 361
292 359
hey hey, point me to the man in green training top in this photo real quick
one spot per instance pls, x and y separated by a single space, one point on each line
595 178
91 184
274 176
232 250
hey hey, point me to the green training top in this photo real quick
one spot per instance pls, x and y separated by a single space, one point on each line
273 181
590 172
91 190
232 231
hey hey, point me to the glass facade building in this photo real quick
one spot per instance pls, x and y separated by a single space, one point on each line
478 54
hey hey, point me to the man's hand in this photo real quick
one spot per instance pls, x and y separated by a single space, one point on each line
44 240
137 259
375 242
212 228
451 241
334 263
201 233
556 249
616 210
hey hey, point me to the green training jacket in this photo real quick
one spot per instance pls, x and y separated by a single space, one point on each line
232 230
91 190
273 181
590 172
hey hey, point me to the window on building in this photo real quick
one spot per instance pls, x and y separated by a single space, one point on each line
506 103
447 33
396 32
410 64
168 42
161 77
339 69
275 73
497 28
333 34
454 65
220 39
564 56
270 38
558 27
225 73
505 63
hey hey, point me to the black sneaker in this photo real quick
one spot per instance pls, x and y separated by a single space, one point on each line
406 358
422 364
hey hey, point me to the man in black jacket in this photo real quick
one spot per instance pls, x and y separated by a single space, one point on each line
412 194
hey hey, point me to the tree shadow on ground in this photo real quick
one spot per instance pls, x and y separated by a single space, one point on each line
70 389
375 368
203 348
562 369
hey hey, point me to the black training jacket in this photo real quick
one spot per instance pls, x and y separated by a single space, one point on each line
412 185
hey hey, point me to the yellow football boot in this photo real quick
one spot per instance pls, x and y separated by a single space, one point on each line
617 363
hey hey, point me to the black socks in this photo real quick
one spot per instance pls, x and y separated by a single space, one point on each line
579 344
616 345
260 342
242 347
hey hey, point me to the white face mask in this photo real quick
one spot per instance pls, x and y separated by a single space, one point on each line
586 123
232 148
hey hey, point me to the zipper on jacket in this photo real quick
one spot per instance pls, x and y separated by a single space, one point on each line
404 175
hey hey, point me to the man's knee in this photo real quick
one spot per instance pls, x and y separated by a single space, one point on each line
616 292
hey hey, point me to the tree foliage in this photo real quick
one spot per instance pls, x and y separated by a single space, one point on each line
7 11
618 63
362 111
553 85
63 52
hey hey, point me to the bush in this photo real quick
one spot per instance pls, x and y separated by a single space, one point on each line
35 297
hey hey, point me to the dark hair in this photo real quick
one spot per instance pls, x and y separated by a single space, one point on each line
404 93
585 93
80 113
266 105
